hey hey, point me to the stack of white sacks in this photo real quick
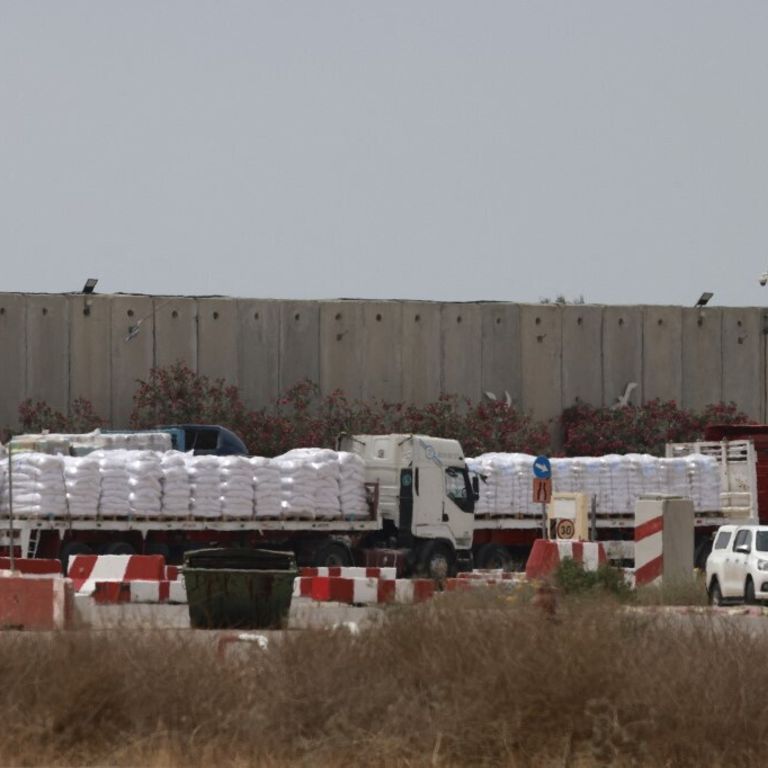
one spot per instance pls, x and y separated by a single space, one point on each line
145 476
38 486
309 480
267 488
176 487
615 482
354 502
307 483
205 485
296 491
507 490
237 489
82 479
115 491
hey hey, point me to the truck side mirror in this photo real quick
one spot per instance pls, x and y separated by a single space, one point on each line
743 549
476 487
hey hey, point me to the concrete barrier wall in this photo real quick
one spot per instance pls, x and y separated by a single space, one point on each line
57 348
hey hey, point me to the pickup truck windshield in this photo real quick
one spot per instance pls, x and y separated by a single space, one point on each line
761 541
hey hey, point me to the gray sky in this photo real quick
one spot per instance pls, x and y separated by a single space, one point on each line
394 149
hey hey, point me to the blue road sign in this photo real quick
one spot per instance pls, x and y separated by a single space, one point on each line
542 469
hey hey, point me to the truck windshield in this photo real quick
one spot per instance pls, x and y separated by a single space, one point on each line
458 488
761 541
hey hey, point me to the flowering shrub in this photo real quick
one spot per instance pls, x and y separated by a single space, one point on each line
303 417
590 431
178 395
37 416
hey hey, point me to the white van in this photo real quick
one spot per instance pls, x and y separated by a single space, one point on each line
737 568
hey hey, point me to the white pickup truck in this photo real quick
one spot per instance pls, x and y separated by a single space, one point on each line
737 568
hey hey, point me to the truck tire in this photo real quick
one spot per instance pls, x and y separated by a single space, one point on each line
72 548
493 556
437 561
119 548
331 554
749 592
158 548
715 595
703 549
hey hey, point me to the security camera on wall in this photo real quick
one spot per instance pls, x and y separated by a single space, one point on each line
764 278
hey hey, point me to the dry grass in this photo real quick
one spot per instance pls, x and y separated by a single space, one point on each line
458 682
670 592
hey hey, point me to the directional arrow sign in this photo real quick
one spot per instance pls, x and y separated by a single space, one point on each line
542 469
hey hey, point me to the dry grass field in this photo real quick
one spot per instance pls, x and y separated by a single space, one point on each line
469 680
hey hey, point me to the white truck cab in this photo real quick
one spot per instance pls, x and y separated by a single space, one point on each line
426 498
737 567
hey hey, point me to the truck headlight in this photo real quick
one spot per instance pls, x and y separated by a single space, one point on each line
762 565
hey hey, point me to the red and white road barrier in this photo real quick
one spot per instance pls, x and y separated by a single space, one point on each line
465 582
649 545
546 555
490 574
41 602
109 592
351 572
127 579
29 566
86 570
363 590
227 641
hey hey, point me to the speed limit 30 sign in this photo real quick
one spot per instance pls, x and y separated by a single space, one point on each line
565 529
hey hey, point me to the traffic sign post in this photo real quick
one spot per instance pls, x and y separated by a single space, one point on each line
542 488
542 468
565 529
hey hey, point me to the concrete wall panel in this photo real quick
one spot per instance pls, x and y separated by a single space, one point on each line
299 342
13 354
622 353
90 341
462 350
342 349
743 360
582 355
663 353
420 352
217 344
259 347
541 334
544 356
382 376
48 350
132 333
702 357
176 332
501 371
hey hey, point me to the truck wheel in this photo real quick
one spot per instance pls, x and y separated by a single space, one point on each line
119 548
494 556
437 561
749 591
703 548
332 554
715 595
70 549
157 548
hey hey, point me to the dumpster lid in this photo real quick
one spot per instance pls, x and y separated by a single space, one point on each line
240 558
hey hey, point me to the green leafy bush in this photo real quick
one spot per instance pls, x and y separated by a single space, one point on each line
572 579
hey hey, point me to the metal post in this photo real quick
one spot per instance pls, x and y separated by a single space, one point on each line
544 521
593 518
10 508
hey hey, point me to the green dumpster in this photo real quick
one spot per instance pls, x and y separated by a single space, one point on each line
238 588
